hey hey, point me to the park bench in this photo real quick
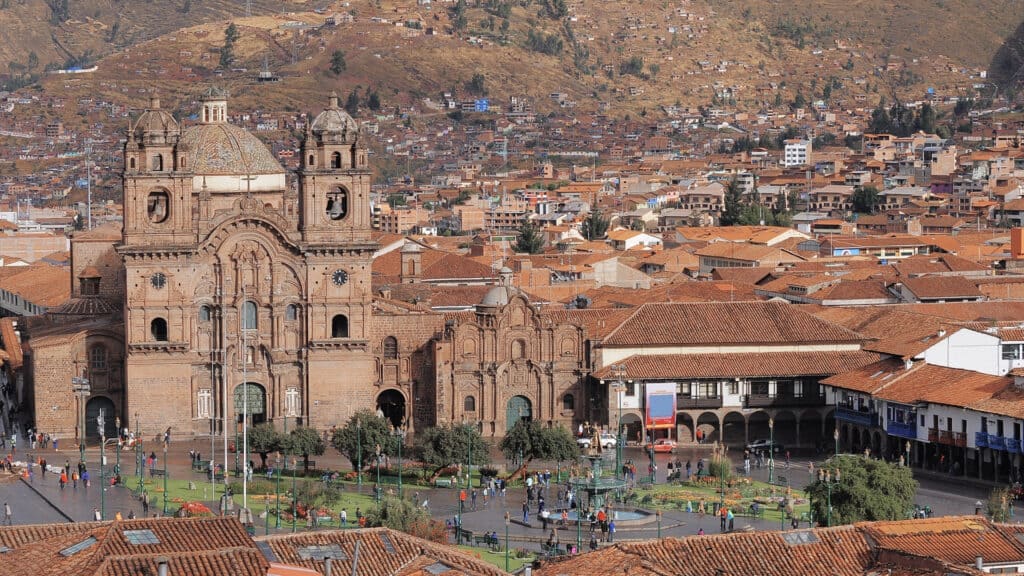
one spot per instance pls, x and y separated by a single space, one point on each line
201 466
781 481
551 550
463 535
485 540
443 482
153 472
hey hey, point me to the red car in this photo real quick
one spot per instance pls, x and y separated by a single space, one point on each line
663 445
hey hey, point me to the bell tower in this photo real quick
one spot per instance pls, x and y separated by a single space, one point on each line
334 179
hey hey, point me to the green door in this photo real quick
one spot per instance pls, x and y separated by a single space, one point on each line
518 409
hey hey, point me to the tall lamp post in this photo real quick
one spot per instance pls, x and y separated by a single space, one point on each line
908 453
295 508
165 478
469 475
139 453
277 524
117 455
721 476
507 522
80 388
399 433
359 454
376 489
835 436
658 514
100 421
771 450
620 372
826 478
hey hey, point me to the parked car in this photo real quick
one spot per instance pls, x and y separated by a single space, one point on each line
663 445
763 445
607 441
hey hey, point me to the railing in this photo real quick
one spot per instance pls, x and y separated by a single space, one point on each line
764 400
683 403
902 430
852 416
1003 443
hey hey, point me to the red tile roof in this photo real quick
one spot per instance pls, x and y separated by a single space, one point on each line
741 365
717 323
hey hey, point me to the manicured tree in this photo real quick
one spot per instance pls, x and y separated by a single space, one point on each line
867 490
529 440
373 431
264 439
451 444
304 441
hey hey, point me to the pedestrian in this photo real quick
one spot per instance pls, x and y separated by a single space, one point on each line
42 467
526 513
787 458
723 513
7 514
611 531
131 514
85 478
96 515
732 519
145 503
700 532
544 515
472 499
344 517
74 480
63 480
593 541
688 468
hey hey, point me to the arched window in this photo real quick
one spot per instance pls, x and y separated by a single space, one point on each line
182 161
131 163
98 357
339 326
158 330
291 312
158 206
248 315
518 349
337 204
390 348
204 313
312 160
336 160
568 402
158 162
469 404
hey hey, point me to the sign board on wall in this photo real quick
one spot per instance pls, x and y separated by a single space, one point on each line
661 405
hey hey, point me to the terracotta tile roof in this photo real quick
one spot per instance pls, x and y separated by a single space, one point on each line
742 365
942 287
937 263
991 311
41 284
681 290
382 552
749 252
869 378
193 546
711 323
957 539
11 343
435 265
941 385
597 322
741 275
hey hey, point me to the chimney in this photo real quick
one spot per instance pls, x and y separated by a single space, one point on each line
908 363
942 332
327 567
978 562
161 566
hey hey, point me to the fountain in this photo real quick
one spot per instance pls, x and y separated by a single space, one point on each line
596 487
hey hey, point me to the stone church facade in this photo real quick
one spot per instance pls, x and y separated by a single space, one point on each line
235 289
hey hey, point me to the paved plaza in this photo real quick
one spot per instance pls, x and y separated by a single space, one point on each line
42 500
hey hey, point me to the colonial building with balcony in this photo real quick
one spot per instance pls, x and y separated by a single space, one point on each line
733 367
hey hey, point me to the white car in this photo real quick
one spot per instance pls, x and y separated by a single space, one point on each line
607 441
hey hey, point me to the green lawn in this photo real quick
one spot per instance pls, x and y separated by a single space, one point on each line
739 497
497 558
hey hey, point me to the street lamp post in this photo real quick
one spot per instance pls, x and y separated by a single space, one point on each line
658 514
825 477
579 532
295 507
359 454
376 489
771 450
117 455
469 475
80 388
507 522
399 433
100 421
277 523
908 453
835 436
620 372
721 476
141 470
165 478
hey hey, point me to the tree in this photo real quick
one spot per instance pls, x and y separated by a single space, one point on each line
373 102
227 53
866 490
477 85
451 444
529 241
352 102
733 204
264 439
864 199
998 504
529 440
595 226
405 515
372 431
304 441
338 64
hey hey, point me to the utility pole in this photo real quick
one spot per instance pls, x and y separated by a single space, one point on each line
88 185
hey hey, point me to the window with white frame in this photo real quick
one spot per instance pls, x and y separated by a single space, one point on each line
798 388
204 405
291 402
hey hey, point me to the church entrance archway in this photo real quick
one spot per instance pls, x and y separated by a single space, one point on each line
391 405
519 409
256 397
92 410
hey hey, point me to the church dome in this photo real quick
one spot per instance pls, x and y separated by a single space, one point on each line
335 122
497 296
155 125
225 149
